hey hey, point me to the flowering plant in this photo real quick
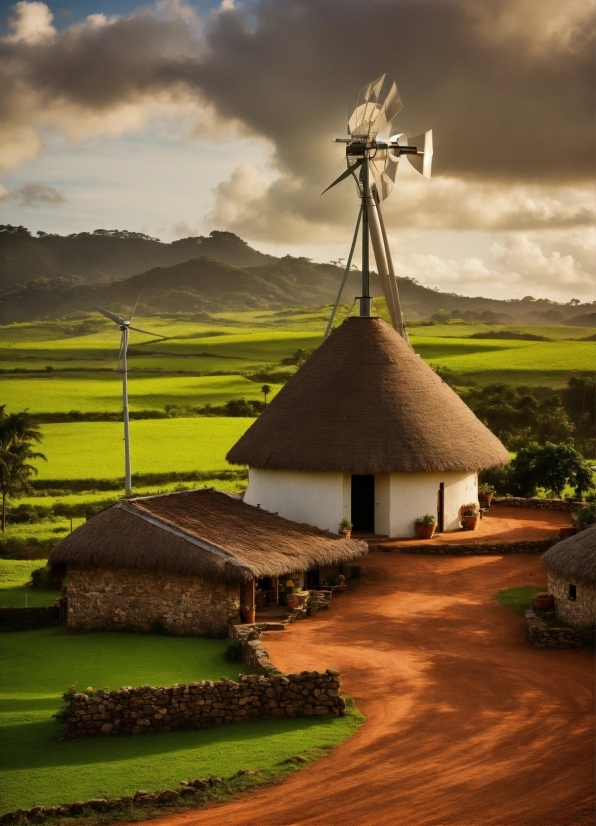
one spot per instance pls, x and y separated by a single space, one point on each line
471 509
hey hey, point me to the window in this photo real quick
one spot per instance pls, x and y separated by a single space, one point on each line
573 592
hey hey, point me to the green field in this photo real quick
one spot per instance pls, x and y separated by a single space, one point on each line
38 767
93 450
103 392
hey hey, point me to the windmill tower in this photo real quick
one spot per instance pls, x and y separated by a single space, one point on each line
373 163
365 430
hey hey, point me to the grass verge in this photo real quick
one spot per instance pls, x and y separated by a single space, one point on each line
40 767
519 599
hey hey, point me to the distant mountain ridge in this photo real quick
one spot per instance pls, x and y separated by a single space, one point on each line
105 255
210 274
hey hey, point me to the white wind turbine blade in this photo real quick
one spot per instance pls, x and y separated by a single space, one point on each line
135 308
121 351
111 316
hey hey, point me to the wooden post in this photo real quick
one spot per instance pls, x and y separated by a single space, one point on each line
277 590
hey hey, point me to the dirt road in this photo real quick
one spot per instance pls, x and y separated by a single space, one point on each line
466 722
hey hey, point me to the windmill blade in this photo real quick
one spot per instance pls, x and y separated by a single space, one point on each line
391 106
146 332
135 308
110 315
422 162
343 175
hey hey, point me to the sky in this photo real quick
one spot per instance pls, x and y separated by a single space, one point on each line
176 118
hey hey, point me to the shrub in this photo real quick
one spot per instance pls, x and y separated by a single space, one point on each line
587 515
41 578
550 466
234 651
427 519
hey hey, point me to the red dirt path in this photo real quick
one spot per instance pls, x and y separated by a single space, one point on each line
466 722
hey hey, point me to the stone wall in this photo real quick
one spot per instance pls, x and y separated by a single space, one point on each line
205 704
580 611
137 599
535 546
536 502
23 619
544 637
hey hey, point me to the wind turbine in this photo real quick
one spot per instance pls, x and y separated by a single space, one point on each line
373 165
125 326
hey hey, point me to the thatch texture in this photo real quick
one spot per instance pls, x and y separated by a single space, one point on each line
574 557
201 532
365 403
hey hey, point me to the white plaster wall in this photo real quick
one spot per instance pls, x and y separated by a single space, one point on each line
321 499
414 494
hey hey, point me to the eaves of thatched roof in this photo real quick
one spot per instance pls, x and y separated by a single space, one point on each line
574 557
202 532
366 403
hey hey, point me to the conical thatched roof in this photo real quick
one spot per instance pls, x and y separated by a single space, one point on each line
201 532
365 403
575 556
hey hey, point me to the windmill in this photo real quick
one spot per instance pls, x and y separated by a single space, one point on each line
373 165
125 327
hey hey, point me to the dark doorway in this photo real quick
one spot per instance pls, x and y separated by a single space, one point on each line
363 503
441 508
312 579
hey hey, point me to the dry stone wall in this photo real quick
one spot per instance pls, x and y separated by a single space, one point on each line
474 548
139 600
536 502
544 637
204 704
22 619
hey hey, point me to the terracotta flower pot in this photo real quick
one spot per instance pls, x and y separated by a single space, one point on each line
543 602
424 531
484 499
471 522
346 534
292 604
248 614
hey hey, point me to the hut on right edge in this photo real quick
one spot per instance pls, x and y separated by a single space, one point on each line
571 566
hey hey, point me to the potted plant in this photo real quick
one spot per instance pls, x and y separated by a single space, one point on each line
485 494
345 528
425 526
291 601
248 613
470 516
544 601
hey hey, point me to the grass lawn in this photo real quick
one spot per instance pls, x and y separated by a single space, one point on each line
86 450
519 599
40 768
14 576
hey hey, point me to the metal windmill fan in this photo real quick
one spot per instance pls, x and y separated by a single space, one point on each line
373 164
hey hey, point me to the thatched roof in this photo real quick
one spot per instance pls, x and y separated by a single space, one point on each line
575 556
366 403
201 532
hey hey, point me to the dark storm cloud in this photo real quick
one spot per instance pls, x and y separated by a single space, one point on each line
507 85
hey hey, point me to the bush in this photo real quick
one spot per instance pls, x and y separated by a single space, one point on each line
234 651
549 466
41 578
587 515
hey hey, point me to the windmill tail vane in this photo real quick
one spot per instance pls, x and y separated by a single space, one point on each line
373 162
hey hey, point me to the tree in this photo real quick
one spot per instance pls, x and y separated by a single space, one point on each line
265 390
18 433
549 466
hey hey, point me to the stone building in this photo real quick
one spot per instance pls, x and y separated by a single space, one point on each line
186 562
365 430
571 566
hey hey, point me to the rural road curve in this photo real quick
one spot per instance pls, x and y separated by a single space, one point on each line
466 723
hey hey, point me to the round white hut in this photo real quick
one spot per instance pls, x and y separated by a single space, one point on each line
571 566
365 430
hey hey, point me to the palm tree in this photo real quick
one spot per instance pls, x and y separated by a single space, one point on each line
265 390
18 433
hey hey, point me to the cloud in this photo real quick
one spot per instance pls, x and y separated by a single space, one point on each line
33 195
31 23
